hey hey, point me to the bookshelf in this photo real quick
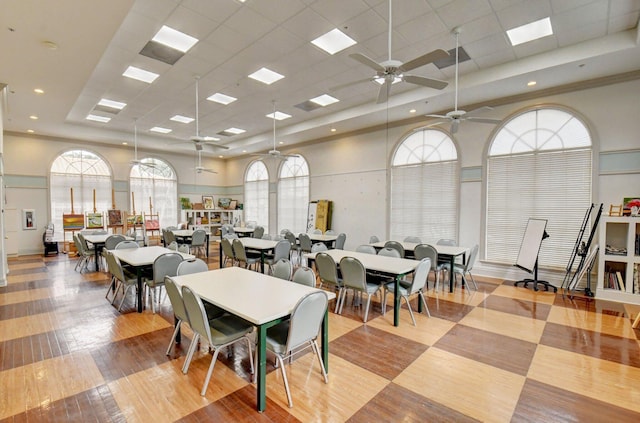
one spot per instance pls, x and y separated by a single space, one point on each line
211 220
619 259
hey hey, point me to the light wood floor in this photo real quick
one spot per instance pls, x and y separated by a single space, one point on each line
498 354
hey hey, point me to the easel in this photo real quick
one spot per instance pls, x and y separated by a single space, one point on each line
134 223
581 249
69 247
152 224
615 210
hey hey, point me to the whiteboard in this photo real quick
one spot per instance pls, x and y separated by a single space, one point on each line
531 241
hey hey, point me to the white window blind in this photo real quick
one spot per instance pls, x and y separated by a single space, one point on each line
293 194
156 182
540 181
424 187
256 195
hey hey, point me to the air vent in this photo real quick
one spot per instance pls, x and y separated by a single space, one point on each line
451 60
161 52
308 106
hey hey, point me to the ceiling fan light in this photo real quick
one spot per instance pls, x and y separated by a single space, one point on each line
381 80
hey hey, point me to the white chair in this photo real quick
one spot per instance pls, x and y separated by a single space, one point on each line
198 241
423 251
241 256
329 232
354 277
413 286
282 269
227 252
413 239
373 239
464 269
395 245
280 251
123 280
179 312
328 273
364 248
164 265
305 276
389 252
340 240
319 246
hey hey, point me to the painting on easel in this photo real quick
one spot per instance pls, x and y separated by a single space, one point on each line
72 222
95 221
114 218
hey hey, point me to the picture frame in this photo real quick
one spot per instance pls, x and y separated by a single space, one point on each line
72 222
29 219
114 218
95 221
224 202
233 204
207 202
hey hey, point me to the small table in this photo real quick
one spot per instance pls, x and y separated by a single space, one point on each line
141 258
244 232
328 240
261 245
271 301
185 234
98 242
446 251
396 267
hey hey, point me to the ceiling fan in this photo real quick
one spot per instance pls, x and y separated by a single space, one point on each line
199 168
198 141
456 116
391 71
274 153
135 160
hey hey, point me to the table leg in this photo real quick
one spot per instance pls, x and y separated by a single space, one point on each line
139 294
207 238
451 273
95 248
261 365
262 261
396 302
325 340
220 253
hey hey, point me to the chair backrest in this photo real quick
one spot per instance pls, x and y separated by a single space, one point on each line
353 273
306 319
340 240
230 236
373 239
421 274
472 258
284 231
319 246
289 236
327 269
282 269
198 238
414 239
127 244
229 228
305 276
166 265
169 237
184 248
238 250
114 266
78 244
175 297
305 242
281 250
364 248
329 232
389 252
316 231
449 242
395 245
113 240
83 241
258 231
171 228
423 251
187 267
252 224
173 246
223 231
196 313
227 248
266 236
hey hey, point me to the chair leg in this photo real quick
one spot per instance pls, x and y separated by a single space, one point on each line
424 303
173 337
250 355
406 300
210 372
366 311
315 348
472 280
337 299
190 352
124 297
284 379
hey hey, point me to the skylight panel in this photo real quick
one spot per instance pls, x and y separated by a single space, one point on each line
181 119
140 74
112 104
160 130
529 32
324 100
235 131
278 115
174 39
221 98
266 76
97 118
333 41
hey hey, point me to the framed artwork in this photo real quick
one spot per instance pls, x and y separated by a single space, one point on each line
233 204
72 222
631 205
114 218
95 221
28 219
223 203
207 202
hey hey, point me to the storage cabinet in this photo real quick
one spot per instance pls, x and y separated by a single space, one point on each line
211 220
619 259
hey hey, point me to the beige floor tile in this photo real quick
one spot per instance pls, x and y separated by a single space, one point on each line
526 294
595 378
460 296
339 325
29 295
428 330
519 327
611 325
350 387
28 325
46 381
478 390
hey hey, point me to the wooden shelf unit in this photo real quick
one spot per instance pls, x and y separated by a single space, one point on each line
623 234
211 220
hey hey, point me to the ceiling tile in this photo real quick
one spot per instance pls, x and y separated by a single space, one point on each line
460 12
523 13
338 12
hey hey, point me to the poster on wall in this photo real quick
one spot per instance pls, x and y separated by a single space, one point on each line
28 219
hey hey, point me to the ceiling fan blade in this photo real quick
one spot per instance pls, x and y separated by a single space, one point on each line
430 57
383 94
426 82
438 116
348 84
455 123
367 61
482 120
480 110
209 171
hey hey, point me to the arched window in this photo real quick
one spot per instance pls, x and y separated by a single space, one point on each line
256 194
293 194
539 166
155 179
424 187
86 173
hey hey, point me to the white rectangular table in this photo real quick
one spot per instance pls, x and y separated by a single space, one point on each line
329 240
188 233
396 267
141 258
243 232
262 300
446 251
261 245
98 242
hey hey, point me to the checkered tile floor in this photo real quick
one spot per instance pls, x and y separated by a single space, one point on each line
499 354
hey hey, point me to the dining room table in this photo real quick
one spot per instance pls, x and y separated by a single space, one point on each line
141 259
328 240
261 300
98 242
184 235
448 252
243 231
391 266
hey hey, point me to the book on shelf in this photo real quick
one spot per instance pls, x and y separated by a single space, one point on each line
615 251
620 281
636 278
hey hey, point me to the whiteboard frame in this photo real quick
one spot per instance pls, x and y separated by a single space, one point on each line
531 242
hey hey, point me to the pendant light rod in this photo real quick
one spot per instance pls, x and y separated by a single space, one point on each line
457 30
197 111
390 27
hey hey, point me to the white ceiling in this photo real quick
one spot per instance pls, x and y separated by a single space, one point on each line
97 40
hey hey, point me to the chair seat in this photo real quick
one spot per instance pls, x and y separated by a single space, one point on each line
404 287
228 328
277 337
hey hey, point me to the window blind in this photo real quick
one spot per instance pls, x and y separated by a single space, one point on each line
256 203
293 203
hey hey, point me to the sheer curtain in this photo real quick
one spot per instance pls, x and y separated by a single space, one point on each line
293 195
256 195
156 180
